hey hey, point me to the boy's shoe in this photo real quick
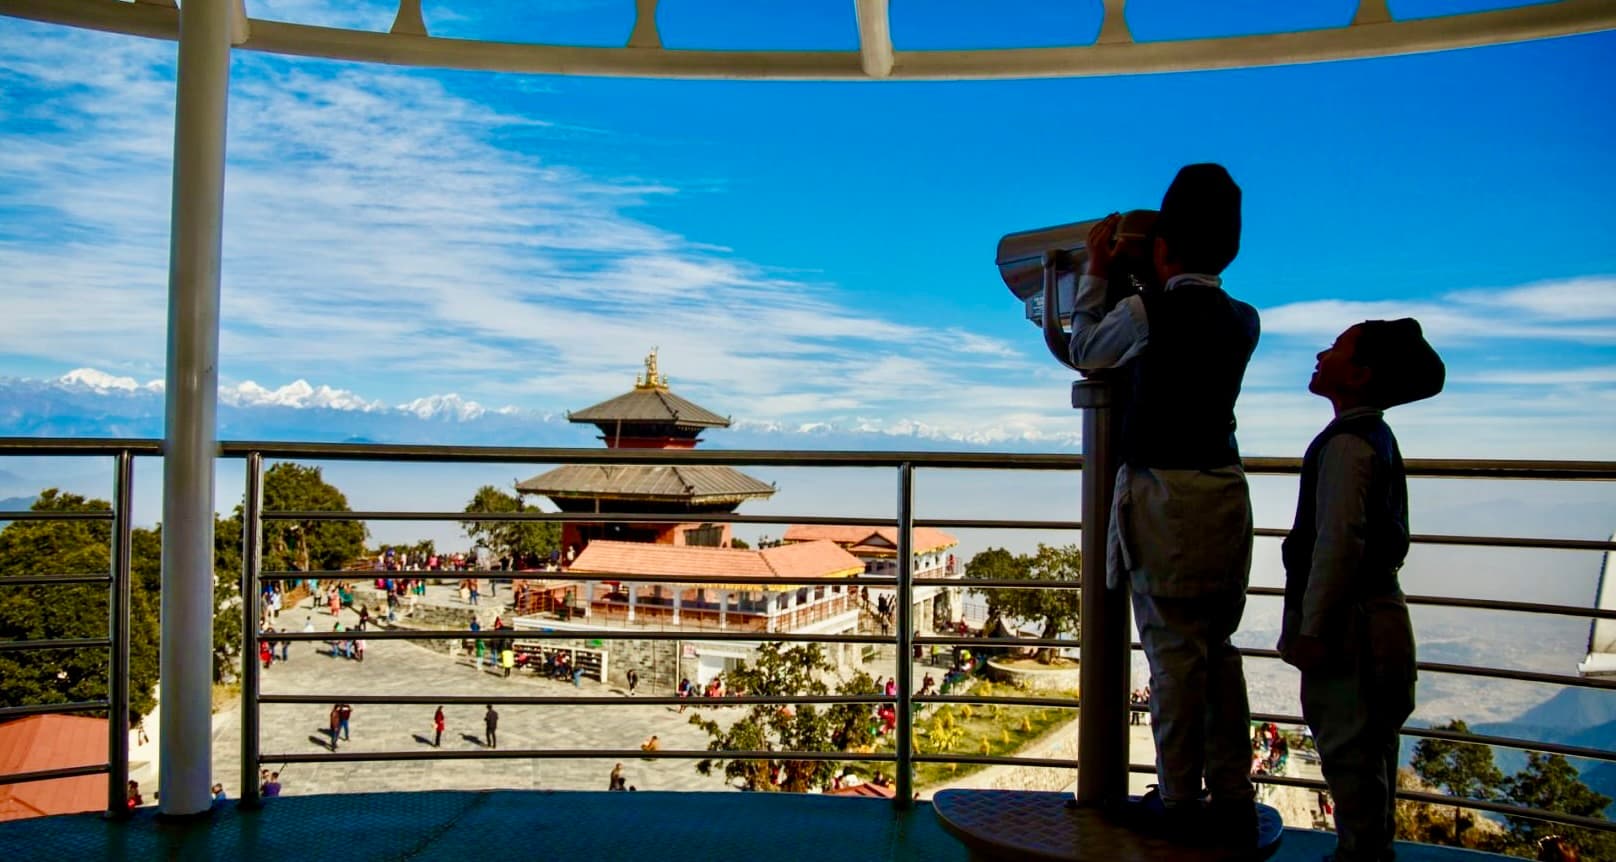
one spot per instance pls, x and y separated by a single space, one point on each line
1151 815
1232 824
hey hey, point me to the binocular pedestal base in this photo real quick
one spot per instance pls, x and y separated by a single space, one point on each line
1018 825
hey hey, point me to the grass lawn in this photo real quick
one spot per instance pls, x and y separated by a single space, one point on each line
977 730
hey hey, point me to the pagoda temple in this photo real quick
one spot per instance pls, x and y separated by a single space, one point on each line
649 416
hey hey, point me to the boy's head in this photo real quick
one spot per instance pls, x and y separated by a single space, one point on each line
1379 363
1199 226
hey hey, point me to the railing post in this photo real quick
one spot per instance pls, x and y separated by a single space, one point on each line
1102 721
185 768
118 631
252 544
905 613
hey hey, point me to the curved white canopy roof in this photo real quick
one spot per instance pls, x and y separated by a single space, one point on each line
1371 32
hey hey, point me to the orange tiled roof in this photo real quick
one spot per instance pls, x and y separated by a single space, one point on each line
41 742
807 560
870 541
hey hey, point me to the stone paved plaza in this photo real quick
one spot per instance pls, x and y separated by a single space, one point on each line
401 667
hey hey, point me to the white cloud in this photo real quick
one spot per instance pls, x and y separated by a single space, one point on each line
1580 310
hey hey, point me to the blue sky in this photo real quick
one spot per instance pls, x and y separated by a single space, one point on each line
811 255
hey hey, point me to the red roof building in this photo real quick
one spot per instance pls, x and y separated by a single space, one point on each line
41 742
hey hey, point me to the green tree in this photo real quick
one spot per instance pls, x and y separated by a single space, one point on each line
54 611
1059 610
227 548
307 545
1550 782
780 672
509 538
1462 769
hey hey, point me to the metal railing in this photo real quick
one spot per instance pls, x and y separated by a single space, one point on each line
904 464
117 581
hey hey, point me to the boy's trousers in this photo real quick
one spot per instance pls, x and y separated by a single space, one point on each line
1198 708
1355 709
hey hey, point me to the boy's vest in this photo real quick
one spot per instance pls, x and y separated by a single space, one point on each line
1386 544
1179 414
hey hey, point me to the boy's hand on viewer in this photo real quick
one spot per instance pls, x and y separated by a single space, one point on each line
1101 245
1305 653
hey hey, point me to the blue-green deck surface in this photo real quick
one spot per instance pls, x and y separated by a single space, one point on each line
524 824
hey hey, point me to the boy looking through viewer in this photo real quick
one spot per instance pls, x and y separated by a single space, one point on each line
1181 523
1346 625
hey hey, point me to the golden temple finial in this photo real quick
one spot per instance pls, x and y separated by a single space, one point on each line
650 379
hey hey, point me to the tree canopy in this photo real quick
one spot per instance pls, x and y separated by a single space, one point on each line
62 611
779 671
1463 769
509 538
306 545
1550 782
1058 610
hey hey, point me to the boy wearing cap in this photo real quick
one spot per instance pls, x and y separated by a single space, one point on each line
1181 523
1346 625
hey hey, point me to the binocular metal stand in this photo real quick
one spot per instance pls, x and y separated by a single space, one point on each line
1009 824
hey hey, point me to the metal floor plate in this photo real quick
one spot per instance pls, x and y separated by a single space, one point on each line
1019 825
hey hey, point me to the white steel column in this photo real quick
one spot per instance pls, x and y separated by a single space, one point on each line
185 768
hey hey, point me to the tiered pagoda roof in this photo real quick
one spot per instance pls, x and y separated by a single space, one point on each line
699 484
648 416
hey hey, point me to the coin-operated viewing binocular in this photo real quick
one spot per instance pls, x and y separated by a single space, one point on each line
1041 268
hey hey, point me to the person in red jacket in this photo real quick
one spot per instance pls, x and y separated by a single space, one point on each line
437 727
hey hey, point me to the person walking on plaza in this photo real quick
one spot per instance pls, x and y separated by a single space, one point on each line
344 712
1345 624
491 726
633 681
437 728
336 724
1181 522
507 659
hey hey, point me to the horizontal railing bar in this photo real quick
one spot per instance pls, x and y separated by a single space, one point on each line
1469 468
38 580
1462 468
572 517
52 774
1597 824
1483 541
983 524
569 754
8 712
998 583
579 634
810 520
1511 742
1474 670
61 643
659 518
53 515
569 700
31 446
573 455
955 640
584 577
1455 736
1594 823
966 700
1479 604
996 760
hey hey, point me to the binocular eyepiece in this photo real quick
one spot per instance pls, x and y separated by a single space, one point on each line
1041 268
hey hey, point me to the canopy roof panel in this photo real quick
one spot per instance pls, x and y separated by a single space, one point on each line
1120 40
